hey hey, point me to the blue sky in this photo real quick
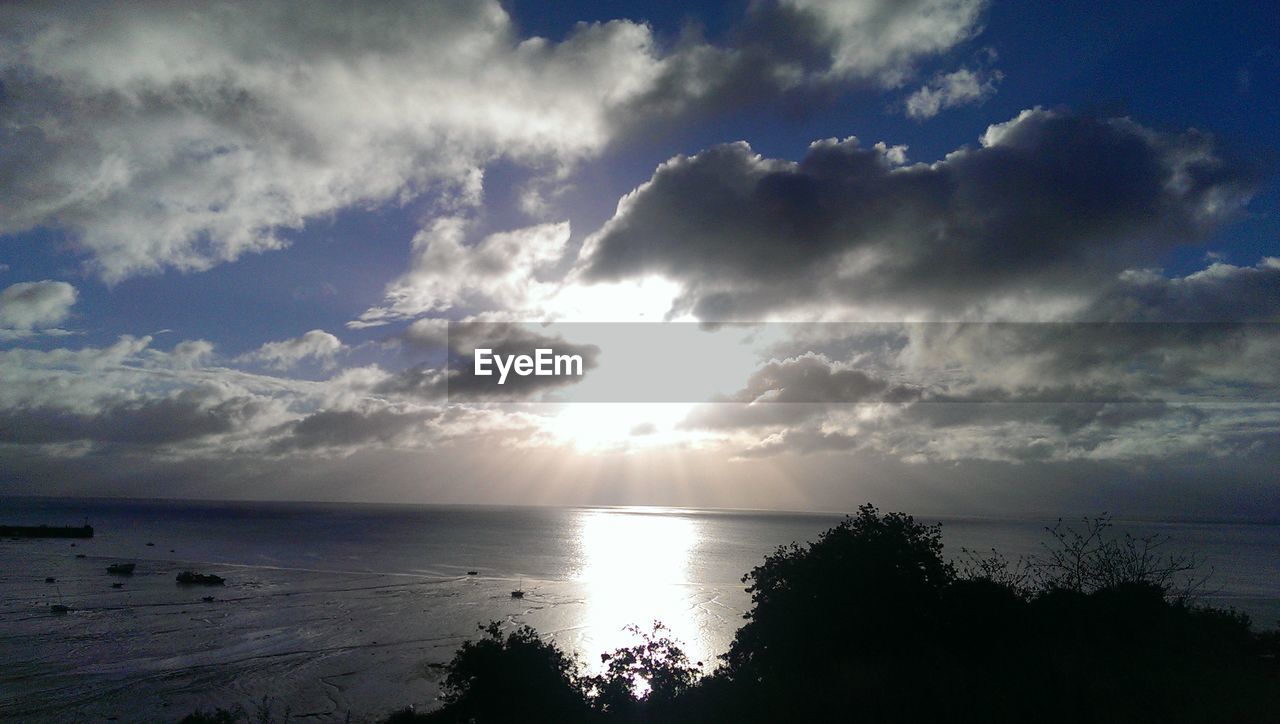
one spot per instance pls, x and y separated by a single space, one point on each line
304 204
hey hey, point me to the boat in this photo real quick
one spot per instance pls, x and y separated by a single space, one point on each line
117 585
201 579
208 599
473 573
121 569
46 531
80 555
519 592
59 607
50 579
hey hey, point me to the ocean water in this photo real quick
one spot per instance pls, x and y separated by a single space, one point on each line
336 609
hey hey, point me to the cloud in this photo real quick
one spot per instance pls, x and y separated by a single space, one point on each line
1049 202
229 123
34 305
186 415
814 378
181 137
499 271
882 38
128 398
795 390
962 87
317 344
353 429
1172 368
1219 293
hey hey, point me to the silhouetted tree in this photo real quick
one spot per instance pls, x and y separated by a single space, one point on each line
866 585
516 677
870 623
1093 558
643 680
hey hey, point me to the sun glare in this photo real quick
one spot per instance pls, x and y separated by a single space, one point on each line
635 572
598 426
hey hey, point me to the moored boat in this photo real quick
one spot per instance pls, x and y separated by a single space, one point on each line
202 579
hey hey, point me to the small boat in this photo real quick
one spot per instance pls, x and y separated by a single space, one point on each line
150 544
202 579
117 585
519 592
473 573
50 579
59 607
208 599
121 569
79 555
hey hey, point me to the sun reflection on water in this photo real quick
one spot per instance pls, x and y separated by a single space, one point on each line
635 571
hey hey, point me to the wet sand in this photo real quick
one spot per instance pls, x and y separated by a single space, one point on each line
324 643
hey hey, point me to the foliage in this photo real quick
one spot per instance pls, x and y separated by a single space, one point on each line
995 567
1094 559
887 569
651 675
516 677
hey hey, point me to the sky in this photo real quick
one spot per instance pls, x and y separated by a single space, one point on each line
948 256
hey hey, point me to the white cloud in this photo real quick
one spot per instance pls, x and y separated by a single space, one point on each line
317 344
962 87
167 136
27 306
882 38
499 271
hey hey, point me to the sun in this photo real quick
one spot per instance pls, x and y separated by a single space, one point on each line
597 426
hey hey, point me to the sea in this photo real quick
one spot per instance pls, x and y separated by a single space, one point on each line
346 612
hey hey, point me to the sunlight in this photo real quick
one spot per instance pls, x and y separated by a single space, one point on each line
598 426
636 571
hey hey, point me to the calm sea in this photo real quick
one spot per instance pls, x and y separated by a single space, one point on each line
332 609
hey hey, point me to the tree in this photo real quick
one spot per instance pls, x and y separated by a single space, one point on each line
872 582
516 677
645 678
1094 559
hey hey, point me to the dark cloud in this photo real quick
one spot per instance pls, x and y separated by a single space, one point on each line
794 390
799 52
812 378
349 429
1049 201
1220 293
185 416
